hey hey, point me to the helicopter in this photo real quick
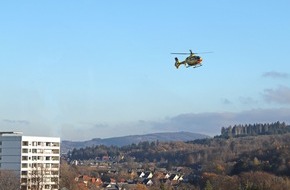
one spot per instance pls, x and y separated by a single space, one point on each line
191 61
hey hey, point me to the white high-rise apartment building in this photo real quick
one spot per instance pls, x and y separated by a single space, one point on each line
35 159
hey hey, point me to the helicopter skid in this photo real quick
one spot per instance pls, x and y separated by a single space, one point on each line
193 66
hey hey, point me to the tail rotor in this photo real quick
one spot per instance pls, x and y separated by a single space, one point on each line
176 63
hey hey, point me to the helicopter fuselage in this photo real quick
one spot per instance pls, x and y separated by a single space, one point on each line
191 60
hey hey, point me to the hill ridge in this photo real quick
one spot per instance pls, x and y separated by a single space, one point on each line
67 145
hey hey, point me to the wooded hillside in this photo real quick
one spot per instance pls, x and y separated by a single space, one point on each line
251 153
255 129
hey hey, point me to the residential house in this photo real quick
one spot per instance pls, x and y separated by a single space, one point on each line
174 177
140 174
148 175
147 182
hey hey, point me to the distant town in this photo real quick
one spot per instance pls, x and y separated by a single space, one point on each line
254 156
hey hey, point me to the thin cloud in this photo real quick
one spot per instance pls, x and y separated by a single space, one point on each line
30 128
280 95
211 123
226 101
208 123
247 100
84 131
274 74
20 122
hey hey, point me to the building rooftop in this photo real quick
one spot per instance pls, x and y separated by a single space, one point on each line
2 133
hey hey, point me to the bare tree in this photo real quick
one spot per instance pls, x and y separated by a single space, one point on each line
9 179
40 175
67 175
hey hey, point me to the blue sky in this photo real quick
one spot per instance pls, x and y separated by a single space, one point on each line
98 69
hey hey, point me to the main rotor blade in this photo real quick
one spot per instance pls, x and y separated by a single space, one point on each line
193 53
204 52
181 53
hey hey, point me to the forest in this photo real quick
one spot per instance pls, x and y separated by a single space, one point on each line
255 129
243 157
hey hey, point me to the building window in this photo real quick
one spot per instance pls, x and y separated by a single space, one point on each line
34 165
55 158
34 143
23 180
55 144
54 179
25 143
55 151
0 150
24 165
25 150
0 143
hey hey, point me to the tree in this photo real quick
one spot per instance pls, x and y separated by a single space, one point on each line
9 179
141 187
208 185
67 176
189 160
